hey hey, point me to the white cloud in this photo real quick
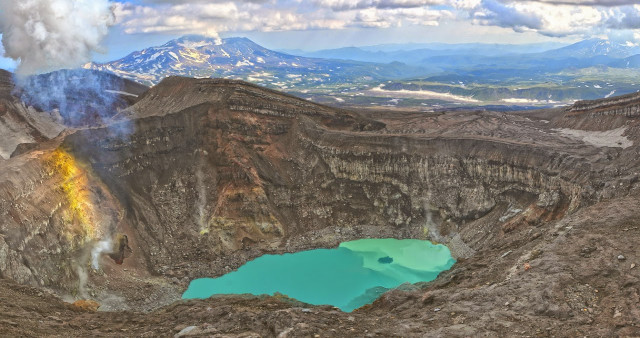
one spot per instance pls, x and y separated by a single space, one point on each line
546 17
542 17
203 18
424 16
603 3
626 17
340 5
371 17
465 4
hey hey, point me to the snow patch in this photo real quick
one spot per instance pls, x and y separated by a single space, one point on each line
610 138
527 101
420 94
119 92
194 44
244 62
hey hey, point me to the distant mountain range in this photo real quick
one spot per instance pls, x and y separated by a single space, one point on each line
596 47
479 74
414 53
241 58
419 54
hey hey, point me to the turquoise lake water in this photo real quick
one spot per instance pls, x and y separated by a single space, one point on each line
348 277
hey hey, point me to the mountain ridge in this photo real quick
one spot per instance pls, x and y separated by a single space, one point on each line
241 58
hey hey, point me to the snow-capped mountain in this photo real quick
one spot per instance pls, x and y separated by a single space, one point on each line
596 47
198 56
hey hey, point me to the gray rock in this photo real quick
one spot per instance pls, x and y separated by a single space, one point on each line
185 331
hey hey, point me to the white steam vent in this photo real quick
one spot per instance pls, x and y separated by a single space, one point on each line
100 248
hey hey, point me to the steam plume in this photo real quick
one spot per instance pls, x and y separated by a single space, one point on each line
45 35
202 193
82 281
102 247
202 200
83 97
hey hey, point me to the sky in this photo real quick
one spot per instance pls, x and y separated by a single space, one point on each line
322 24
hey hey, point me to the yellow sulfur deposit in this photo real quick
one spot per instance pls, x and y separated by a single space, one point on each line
74 184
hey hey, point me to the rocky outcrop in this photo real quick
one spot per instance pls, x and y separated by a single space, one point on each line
83 98
20 124
39 108
51 211
604 114
52 208
625 105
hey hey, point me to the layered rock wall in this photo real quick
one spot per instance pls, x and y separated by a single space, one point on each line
211 182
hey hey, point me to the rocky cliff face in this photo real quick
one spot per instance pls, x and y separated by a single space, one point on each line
51 212
203 175
612 104
53 209
604 114
39 108
229 171
22 125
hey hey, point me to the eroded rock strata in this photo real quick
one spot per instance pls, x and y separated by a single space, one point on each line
203 175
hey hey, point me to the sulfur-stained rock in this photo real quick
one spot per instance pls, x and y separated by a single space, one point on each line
86 305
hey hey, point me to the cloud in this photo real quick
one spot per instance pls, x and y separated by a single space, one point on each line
213 18
465 4
497 14
603 3
196 1
343 5
556 18
206 18
627 17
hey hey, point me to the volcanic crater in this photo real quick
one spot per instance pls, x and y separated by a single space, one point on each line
195 177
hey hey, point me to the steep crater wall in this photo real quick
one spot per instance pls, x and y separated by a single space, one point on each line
210 187
52 210
604 114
